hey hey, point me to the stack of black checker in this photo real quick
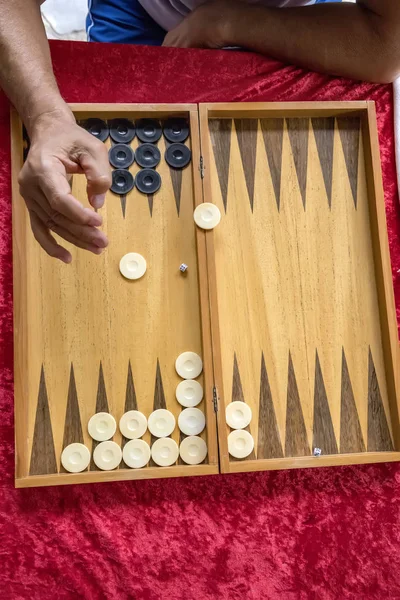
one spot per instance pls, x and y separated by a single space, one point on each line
147 155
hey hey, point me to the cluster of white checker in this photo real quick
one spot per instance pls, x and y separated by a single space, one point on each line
238 416
134 424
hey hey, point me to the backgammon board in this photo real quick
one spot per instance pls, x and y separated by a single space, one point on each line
288 301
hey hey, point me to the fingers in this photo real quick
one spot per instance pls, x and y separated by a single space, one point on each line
57 191
47 241
84 236
96 167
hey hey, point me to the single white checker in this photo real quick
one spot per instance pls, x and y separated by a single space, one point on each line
189 393
133 424
188 365
207 215
238 414
165 452
102 426
136 454
191 421
161 423
133 265
193 450
240 443
107 456
75 458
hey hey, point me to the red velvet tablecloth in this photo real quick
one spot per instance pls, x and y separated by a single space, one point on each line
325 534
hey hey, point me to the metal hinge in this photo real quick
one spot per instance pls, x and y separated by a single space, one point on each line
215 399
202 167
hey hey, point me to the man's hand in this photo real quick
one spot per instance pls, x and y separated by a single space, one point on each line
206 27
60 148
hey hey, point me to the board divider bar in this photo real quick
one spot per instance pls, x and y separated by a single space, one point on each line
203 281
213 296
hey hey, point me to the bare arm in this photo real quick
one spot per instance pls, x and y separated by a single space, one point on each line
360 40
58 146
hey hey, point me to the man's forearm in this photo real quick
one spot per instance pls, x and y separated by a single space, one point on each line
344 39
26 73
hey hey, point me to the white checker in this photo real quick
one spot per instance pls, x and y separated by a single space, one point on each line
165 452
189 393
188 365
240 443
207 215
238 414
191 421
75 458
102 426
193 450
133 265
161 423
133 424
136 454
107 456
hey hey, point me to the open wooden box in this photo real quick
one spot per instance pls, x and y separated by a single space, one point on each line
289 300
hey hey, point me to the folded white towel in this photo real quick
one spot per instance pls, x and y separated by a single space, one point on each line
396 94
65 16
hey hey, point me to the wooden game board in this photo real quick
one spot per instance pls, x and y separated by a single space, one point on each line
289 301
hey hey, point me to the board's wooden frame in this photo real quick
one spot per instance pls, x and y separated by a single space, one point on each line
217 442
20 223
367 113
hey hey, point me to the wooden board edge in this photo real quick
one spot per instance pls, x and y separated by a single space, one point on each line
19 225
118 475
205 318
309 462
145 110
213 296
282 109
382 261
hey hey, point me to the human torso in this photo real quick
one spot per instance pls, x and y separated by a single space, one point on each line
169 13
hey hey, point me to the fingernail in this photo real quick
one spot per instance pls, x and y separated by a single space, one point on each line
98 200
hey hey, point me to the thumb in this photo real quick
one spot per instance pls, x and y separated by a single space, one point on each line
96 167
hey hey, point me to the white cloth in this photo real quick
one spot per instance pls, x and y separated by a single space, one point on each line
396 95
65 16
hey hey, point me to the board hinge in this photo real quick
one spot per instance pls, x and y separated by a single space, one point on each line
201 167
215 399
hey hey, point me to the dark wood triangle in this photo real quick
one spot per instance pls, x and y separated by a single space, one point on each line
123 205
43 456
101 406
324 132
220 133
349 129
379 439
298 130
296 435
238 396
73 426
176 178
323 432
351 439
181 438
246 131
272 130
150 199
269 442
159 400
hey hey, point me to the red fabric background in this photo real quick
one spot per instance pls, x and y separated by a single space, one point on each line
323 534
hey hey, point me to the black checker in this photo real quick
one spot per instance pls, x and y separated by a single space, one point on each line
148 156
122 131
121 156
148 130
122 182
176 130
178 156
148 181
98 128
